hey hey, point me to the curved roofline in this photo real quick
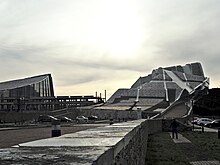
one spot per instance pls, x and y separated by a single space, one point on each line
26 78
18 83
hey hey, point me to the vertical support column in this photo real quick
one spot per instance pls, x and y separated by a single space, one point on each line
105 95
165 85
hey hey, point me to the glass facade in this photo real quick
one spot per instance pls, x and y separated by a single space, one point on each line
42 88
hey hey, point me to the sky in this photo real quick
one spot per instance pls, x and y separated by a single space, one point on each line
94 45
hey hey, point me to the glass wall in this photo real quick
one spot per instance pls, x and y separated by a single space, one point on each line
43 88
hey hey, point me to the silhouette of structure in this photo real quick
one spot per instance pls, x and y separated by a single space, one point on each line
37 93
163 87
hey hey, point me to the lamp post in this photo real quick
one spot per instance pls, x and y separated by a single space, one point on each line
192 104
21 100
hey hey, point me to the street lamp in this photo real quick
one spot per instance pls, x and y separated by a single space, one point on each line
191 106
21 100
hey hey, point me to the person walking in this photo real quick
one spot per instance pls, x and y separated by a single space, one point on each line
174 127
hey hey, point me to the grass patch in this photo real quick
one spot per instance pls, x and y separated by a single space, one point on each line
161 150
208 142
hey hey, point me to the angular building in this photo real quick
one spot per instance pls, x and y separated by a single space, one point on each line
163 85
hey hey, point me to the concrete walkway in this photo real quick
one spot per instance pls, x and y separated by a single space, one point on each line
199 129
182 141
176 111
205 163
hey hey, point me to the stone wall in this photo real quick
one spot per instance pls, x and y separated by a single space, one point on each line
131 150
16 117
118 144
103 114
106 114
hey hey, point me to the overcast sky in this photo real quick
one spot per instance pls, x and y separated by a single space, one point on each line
93 45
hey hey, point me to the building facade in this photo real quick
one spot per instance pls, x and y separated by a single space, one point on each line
37 94
167 84
37 86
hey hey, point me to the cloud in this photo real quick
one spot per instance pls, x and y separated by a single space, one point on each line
84 43
184 32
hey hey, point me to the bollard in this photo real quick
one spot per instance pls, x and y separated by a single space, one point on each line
55 128
202 128
139 113
111 122
219 133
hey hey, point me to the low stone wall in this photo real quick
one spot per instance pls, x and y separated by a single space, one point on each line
121 143
16 117
106 114
134 152
132 148
103 114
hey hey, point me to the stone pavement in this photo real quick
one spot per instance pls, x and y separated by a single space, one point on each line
181 139
98 145
205 163
194 154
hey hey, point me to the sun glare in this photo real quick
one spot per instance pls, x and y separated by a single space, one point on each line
117 31
106 27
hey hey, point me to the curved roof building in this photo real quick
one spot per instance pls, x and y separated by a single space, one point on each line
36 86
37 93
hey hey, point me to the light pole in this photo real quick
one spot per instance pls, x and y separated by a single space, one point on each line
21 100
192 104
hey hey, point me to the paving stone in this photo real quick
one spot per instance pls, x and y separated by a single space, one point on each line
181 139
205 163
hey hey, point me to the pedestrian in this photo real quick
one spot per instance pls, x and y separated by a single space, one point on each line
174 127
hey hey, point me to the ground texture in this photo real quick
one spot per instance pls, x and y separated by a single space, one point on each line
14 136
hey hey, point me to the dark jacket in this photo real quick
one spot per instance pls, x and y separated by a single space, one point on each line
174 125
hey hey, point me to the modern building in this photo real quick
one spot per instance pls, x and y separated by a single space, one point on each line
37 86
163 87
37 93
